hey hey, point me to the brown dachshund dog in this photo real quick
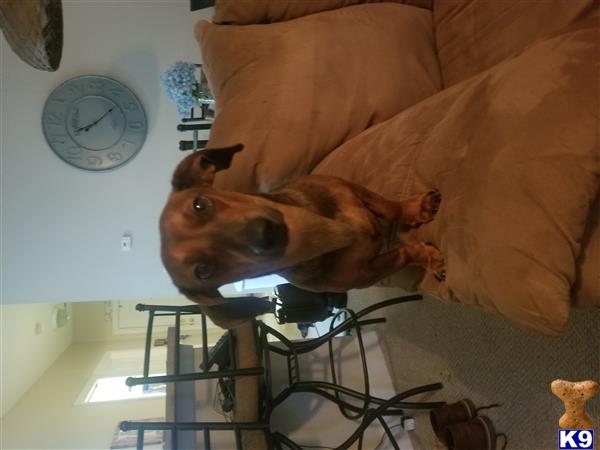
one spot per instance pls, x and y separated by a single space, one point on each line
320 233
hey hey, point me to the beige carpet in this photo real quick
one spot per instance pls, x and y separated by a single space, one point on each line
489 360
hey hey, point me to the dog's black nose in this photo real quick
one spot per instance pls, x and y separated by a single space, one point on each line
266 236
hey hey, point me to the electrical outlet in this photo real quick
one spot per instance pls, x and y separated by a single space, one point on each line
126 243
408 423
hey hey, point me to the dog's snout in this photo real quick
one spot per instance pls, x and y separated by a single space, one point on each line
266 236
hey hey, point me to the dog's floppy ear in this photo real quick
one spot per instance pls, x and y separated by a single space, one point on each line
199 169
231 312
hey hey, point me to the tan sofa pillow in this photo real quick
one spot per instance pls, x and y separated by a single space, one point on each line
515 154
586 292
293 91
472 36
247 12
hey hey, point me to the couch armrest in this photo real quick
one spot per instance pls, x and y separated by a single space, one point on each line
236 12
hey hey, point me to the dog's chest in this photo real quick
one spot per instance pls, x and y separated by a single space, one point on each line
345 207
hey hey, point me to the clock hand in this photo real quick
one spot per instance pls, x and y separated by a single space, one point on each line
87 127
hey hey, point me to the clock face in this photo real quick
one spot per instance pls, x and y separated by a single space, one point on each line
94 122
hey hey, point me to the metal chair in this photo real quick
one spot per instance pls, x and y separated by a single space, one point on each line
372 407
201 4
204 373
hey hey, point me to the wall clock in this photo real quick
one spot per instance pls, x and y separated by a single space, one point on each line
94 122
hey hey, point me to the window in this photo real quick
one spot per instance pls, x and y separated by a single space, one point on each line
114 388
107 383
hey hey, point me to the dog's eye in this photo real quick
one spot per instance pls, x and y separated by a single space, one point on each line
203 270
202 205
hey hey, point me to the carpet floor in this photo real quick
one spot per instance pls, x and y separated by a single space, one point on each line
486 358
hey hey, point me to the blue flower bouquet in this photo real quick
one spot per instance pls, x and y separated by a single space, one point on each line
183 88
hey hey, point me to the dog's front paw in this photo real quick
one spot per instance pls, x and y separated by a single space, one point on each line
440 275
436 264
430 205
423 209
433 261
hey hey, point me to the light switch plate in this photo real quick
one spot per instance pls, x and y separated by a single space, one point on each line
126 243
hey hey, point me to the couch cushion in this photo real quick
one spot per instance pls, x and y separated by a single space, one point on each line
236 12
472 36
586 292
293 91
515 154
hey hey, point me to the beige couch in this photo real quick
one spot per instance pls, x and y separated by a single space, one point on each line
495 103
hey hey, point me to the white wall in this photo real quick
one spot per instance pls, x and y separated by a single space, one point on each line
91 324
46 417
61 226
25 355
